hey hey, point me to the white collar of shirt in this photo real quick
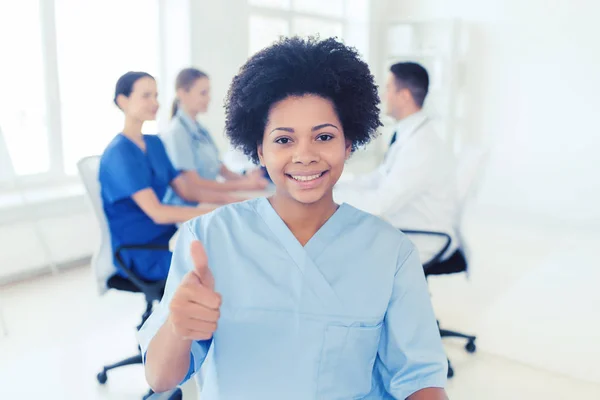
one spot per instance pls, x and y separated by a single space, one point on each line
407 126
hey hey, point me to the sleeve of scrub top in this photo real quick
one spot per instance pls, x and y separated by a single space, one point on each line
411 356
124 174
181 264
180 148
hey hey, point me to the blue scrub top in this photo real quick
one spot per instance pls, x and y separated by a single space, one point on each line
190 148
346 316
124 170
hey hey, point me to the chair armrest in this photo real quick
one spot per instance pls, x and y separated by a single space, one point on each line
436 259
149 288
171 394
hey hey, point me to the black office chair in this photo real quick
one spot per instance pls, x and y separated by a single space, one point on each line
153 291
454 264
105 270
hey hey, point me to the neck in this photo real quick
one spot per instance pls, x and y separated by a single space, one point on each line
403 114
189 113
303 220
133 128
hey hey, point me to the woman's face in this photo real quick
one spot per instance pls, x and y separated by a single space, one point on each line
304 148
196 99
142 103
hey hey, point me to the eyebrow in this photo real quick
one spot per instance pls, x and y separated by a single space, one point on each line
315 128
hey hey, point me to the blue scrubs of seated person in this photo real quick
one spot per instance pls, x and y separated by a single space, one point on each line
190 148
295 297
124 170
134 175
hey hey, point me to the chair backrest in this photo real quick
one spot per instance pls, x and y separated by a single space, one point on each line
3 328
471 167
102 260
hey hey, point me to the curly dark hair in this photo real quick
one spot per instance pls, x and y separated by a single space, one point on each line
295 67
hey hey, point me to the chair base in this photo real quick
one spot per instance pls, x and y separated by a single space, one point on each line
470 347
102 377
137 359
175 394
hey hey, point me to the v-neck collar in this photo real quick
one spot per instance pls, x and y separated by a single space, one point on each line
305 258
193 127
144 151
317 243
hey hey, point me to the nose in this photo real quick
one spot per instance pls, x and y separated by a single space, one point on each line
305 152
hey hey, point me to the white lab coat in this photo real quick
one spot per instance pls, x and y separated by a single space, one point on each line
414 188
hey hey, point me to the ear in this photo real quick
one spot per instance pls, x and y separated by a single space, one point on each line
261 158
406 95
180 92
122 101
348 148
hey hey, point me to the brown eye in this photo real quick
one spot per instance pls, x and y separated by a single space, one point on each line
283 140
324 137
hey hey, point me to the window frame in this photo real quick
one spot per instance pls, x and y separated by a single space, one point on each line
52 100
290 14
56 175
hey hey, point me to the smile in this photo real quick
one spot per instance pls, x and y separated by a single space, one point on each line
306 178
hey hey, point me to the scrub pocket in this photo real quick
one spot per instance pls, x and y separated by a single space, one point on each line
347 361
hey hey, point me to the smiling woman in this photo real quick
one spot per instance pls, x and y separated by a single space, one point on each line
321 300
304 160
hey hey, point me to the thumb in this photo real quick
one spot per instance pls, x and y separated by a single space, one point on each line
200 260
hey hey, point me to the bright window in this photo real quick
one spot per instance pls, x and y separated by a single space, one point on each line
23 125
331 8
265 30
283 4
347 20
306 26
104 40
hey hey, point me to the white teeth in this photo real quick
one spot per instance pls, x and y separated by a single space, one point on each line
306 178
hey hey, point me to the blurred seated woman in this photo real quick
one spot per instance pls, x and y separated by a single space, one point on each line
134 175
191 147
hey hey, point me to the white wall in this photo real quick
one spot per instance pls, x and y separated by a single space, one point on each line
219 47
37 235
534 81
175 43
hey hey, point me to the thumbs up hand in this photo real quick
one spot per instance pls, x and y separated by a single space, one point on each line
201 270
194 309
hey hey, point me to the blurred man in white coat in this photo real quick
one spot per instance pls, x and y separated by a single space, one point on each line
415 186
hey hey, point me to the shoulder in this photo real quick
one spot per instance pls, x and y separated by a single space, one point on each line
118 148
374 224
154 143
430 137
383 235
428 144
175 135
153 140
230 217
117 143
175 128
